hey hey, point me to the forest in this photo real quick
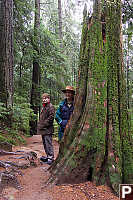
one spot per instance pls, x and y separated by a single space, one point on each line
48 44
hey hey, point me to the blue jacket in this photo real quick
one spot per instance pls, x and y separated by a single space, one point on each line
62 116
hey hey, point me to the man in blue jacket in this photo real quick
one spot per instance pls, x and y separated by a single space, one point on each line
65 110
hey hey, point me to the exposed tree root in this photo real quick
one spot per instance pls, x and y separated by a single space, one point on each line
9 176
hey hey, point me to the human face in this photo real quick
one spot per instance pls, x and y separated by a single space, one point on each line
69 95
45 100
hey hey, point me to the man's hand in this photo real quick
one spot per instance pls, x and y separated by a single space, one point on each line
63 123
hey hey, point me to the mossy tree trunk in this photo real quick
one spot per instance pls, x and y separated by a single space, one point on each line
96 144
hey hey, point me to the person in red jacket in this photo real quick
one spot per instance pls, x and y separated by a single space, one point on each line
45 128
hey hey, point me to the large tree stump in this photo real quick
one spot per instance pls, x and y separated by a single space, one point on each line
97 143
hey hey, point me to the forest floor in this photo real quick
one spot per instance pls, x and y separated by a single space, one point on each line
34 178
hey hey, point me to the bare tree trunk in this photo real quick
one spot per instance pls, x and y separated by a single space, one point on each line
94 144
60 22
35 92
3 94
6 52
9 51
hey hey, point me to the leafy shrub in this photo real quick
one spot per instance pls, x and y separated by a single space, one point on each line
4 112
22 113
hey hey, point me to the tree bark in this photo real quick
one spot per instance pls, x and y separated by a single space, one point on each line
35 91
6 52
60 23
94 144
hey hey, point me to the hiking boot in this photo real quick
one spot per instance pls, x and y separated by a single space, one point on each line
44 159
49 162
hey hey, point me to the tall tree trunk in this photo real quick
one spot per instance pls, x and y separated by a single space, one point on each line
60 22
127 70
3 94
6 52
60 35
94 144
35 92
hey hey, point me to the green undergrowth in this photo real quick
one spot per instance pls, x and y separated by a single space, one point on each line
12 137
18 137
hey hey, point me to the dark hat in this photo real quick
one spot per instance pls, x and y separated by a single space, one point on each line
69 88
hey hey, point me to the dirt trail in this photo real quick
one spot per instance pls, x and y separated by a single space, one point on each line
34 178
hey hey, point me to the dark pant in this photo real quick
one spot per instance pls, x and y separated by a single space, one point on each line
48 146
60 133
